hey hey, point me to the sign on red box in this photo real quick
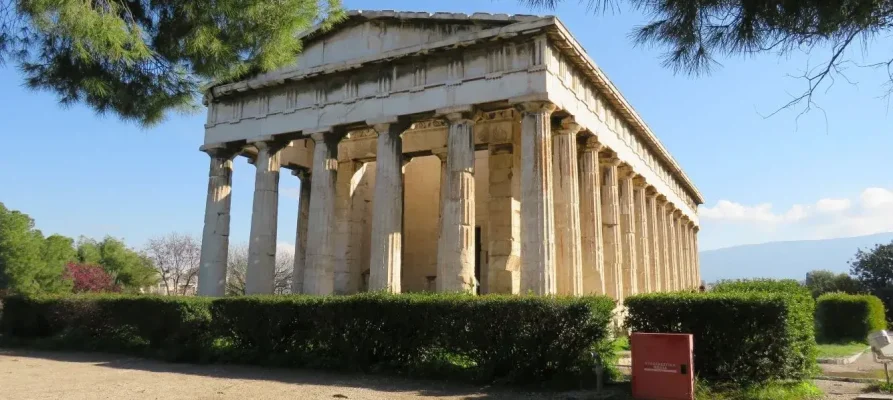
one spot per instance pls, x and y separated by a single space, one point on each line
662 366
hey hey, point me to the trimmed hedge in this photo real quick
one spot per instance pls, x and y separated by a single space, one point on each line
761 285
739 336
841 317
486 338
169 327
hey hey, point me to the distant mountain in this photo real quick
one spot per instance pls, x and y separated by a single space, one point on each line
785 259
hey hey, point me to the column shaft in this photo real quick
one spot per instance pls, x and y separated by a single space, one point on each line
344 188
643 255
591 246
387 215
455 268
215 236
264 216
319 275
611 230
680 252
537 207
666 268
686 247
628 227
673 246
694 240
297 281
565 181
504 225
654 228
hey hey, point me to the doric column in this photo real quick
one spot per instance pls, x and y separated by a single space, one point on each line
643 255
455 254
319 276
537 207
591 246
215 236
664 245
680 248
264 217
504 219
697 255
628 229
686 250
297 281
565 184
387 214
344 188
671 247
654 229
613 244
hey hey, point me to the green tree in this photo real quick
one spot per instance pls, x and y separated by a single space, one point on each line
142 59
820 282
130 269
874 268
57 251
695 32
28 263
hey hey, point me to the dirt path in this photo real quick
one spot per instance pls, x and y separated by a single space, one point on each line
59 375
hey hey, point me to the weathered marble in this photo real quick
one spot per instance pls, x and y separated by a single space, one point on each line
344 191
537 206
653 239
264 217
565 185
504 209
591 245
319 276
297 282
630 266
643 237
215 236
387 215
613 243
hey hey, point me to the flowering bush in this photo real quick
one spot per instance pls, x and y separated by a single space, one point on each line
86 278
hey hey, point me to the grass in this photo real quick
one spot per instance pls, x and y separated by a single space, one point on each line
804 390
835 350
880 387
621 344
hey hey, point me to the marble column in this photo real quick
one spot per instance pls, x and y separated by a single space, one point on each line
504 218
591 246
344 188
689 270
565 185
697 257
319 275
441 154
680 248
613 244
654 227
215 236
387 214
664 245
264 216
537 207
297 281
643 239
671 247
628 229
455 254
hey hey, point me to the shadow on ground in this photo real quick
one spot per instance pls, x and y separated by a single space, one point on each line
380 383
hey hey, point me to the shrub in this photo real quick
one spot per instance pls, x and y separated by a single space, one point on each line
521 339
168 327
788 286
739 336
86 278
841 317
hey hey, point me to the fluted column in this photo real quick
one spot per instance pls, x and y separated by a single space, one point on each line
697 257
662 227
686 249
680 250
455 268
537 207
654 250
297 281
671 247
613 244
591 246
343 200
566 187
643 255
215 236
264 217
504 219
628 229
319 276
387 214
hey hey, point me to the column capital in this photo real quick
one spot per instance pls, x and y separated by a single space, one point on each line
501 148
227 150
591 143
651 192
639 182
440 153
269 144
626 171
458 114
677 213
568 126
695 228
303 173
385 124
609 161
536 106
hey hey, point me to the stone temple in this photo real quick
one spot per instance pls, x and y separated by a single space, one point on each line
445 152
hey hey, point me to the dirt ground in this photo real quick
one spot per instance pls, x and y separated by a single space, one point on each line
62 375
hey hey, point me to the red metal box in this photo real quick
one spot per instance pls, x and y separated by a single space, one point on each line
662 366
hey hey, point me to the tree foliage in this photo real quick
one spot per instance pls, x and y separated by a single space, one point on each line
874 268
176 258
87 278
129 269
142 59
237 268
820 282
695 32
30 264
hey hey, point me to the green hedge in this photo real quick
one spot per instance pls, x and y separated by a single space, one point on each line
739 336
841 317
487 338
170 327
761 285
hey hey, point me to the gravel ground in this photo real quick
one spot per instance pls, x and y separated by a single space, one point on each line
840 390
62 375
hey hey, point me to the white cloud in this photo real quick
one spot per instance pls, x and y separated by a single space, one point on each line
730 223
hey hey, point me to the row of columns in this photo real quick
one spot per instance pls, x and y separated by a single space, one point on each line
588 224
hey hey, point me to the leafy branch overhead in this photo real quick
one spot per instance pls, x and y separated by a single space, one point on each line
696 32
142 59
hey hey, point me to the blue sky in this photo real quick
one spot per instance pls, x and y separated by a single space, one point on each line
828 174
